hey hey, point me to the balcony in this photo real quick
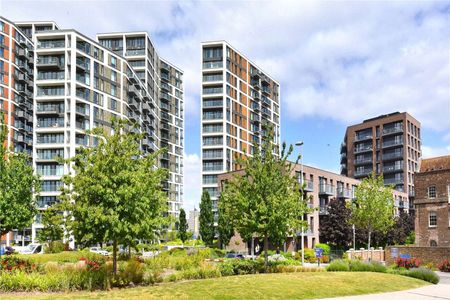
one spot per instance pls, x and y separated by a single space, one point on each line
391 156
363 137
392 130
265 101
344 193
132 90
165 87
389 181
362 173
362 149
363 161
323 210
51 44
145 106
48 62
343 147
308 185
393 169
82 64
388 144
326 189
81 110
212 65
165 76
266 90
343 157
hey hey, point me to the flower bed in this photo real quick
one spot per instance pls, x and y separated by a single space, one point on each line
444 266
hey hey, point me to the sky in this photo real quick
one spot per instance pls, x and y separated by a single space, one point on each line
337 62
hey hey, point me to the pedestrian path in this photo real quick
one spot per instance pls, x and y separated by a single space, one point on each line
435 291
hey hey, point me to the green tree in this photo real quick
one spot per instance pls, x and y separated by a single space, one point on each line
53 222
373 208
334 229
265 200
17 186
182 226
206 219
224 224
114 191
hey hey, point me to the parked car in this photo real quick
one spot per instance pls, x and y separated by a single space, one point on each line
9 250
33 249
99 250
234 255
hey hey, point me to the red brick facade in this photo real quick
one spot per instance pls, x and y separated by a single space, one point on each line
432 202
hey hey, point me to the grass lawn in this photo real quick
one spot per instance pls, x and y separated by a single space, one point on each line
262 286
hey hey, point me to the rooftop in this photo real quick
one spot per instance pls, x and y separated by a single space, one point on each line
435 164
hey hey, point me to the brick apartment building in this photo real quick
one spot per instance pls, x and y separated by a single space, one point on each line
389 145
322 186
432 202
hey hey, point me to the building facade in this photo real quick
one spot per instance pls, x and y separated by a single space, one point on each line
389 145
56 84
320 187
238 103
16 93
164 82
194 223
432 202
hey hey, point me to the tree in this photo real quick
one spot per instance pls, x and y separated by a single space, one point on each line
334 229
224 224
265 199
206 219
114 191
373 208
182 226
53 222
17 186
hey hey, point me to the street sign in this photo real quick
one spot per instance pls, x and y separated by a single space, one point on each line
394 252
318 252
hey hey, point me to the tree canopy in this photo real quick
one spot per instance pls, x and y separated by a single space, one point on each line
206 219
182 226
17 186
265 199
334 229
373 207
114 191
224 224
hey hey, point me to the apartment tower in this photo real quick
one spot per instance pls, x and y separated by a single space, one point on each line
388 145
56 84
164 82
238 102
16 91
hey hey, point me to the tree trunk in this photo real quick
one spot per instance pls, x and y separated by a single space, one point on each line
368 245
252 252
115 257
266 247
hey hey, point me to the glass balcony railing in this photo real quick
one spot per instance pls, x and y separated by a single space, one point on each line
394 155
392 143
390 130
213 65
364 172
51 44
326 189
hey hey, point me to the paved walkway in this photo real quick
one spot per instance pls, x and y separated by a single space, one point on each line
437 292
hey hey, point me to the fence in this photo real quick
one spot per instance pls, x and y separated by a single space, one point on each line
363 254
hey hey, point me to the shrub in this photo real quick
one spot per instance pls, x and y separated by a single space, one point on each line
54 247
407 263
359 266
338 265
325 247
444 266
204 271
423 274
13 263
378 267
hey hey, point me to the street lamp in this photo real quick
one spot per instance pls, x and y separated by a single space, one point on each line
299 145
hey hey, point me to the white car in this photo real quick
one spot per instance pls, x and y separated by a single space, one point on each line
99 250
33 249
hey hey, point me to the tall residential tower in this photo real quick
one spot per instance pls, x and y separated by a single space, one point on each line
238 101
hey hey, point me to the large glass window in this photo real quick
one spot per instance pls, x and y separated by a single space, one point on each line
50 138
51 185
50 170
50 153
212 166
212 140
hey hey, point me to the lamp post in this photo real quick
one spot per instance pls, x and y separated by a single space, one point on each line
302 233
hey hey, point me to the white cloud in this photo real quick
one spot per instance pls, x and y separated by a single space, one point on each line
192 181
428 152
335 60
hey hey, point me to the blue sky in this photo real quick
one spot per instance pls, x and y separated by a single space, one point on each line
337 62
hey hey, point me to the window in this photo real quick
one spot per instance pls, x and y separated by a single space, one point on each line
432 192
433 243
432 219
113 61
448 193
